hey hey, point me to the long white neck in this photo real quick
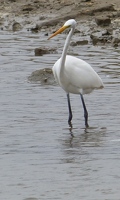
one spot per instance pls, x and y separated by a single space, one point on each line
63 57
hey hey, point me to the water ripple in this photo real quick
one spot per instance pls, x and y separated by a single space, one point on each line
40 158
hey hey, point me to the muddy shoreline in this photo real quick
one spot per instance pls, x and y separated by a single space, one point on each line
43 14
101 19
98 22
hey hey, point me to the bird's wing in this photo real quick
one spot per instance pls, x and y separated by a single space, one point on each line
81 74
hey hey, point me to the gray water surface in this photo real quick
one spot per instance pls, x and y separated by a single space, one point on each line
38 157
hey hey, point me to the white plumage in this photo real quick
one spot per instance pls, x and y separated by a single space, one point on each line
78 77
73 74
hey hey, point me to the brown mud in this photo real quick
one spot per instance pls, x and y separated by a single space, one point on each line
30 13
41 15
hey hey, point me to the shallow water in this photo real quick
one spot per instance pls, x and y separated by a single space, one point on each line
39 159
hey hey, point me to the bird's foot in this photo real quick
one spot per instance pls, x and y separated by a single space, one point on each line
70 124
86 125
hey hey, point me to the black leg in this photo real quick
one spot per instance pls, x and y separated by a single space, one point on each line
70 111
85 111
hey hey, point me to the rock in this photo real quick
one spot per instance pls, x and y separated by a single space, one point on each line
35 29
115 45
41 51
82 42
44 76
46 34
27 8
16 26
102 21
115 42
1 21
94 39
118 13
107 32
103 39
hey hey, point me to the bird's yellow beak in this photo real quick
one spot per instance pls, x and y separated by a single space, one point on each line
58 31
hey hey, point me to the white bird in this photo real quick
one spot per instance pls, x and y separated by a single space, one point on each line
73 74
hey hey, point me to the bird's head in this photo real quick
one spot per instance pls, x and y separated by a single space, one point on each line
71 23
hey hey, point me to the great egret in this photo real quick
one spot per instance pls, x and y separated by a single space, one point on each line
73 74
